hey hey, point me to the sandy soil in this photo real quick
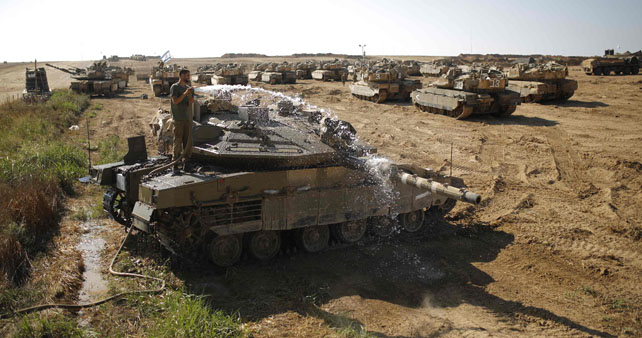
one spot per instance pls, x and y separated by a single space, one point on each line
554 249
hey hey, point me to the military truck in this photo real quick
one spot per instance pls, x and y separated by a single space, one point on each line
611 63
330 71
459 95
260 178
163 77
540 82
94 80
384 81
36 85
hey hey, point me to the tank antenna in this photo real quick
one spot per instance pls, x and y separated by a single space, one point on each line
451 159
88 147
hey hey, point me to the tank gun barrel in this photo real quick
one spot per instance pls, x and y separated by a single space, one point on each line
393 171
459 194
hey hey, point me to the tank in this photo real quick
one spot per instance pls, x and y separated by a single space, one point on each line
304 70
540 82
411 67
330 70
273 73
163 77
385 80
266 175
221 74
611 63
97 79
459 95
435 69
36 85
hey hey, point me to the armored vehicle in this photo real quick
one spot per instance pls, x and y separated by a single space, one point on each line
411 67
543 82
330 71
304 70
435 69
273 73
163 77
261 178
611 63
383 82
96 79
36 85
221 74
459 95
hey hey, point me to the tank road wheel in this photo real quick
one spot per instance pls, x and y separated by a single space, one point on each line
381 97
635 70
224 251
350 232
116 205
460 113
627 71
381 226
412 221
505 111
264 245
606 71
597 71
312 239
188 232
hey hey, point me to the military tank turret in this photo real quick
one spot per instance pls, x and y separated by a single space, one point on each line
266 168
273 73
411 67
545 82
459 95
304 70
385 80
436 68
96 79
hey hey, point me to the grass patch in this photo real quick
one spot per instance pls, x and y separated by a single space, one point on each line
111 149
185 315
56 326
38 167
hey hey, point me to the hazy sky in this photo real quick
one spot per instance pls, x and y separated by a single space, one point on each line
85 30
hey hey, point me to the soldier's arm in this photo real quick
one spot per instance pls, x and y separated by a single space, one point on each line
175 97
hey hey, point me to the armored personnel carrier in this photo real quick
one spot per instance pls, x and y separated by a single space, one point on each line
36 85
459 95
611 63
255 75
330 71
384 81
96 79
279 73
266 174
221 74
163 77
543 82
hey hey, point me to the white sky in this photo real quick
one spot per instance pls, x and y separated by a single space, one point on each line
86 30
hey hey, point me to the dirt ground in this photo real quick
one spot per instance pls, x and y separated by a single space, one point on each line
553 250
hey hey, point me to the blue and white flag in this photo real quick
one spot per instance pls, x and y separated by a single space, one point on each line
166 57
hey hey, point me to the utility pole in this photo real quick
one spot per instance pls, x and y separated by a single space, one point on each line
363 51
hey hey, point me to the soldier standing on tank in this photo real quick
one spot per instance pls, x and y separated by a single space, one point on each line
182 95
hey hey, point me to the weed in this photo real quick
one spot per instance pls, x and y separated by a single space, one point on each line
111 149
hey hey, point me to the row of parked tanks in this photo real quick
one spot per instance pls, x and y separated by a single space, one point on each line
268 174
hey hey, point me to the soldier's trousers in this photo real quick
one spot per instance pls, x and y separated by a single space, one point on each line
181 134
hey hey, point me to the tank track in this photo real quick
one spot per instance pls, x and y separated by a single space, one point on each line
377 98
458 113
170 236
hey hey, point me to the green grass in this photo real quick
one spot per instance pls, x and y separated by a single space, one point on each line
38 166
37 326
111 149
184 315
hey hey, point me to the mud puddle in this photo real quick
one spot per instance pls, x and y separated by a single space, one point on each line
91 245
